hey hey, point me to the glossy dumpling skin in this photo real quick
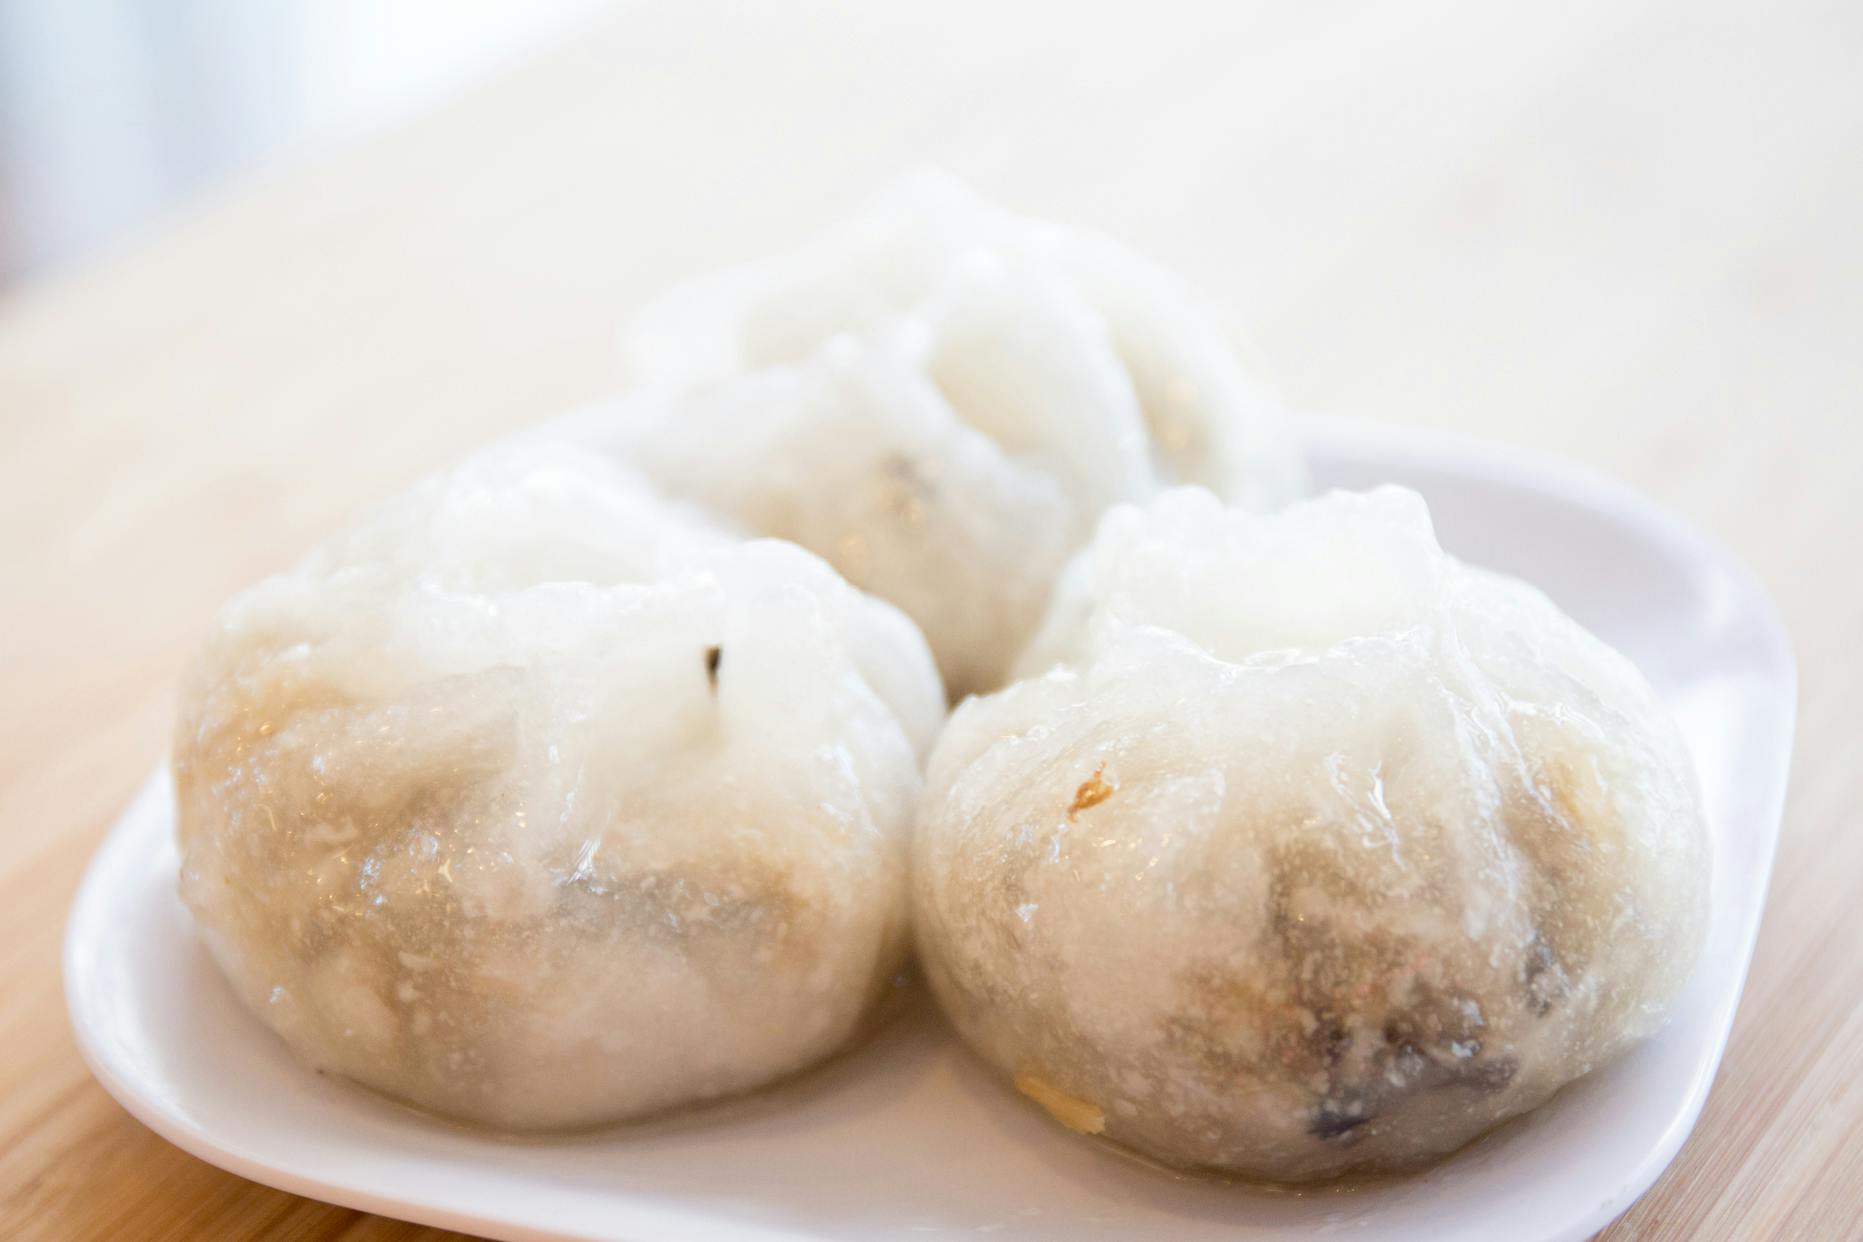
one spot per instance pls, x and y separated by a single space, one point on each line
940 399
1302 848
537 802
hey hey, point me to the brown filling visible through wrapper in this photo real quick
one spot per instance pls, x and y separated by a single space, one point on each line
1316 1012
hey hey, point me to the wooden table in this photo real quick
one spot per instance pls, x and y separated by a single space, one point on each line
1623 232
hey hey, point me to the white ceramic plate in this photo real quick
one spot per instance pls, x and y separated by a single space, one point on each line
907 1138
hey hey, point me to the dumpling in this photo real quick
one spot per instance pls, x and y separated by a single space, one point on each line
940 400
1303 848
535 801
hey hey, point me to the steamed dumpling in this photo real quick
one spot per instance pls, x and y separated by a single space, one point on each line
535 801
940 400
1303 847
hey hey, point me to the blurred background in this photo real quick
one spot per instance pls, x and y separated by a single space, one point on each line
1392 203
111 110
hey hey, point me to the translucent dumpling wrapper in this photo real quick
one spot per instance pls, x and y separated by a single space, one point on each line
536 801
1303 848
941 399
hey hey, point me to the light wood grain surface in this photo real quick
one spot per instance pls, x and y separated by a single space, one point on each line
1625 232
